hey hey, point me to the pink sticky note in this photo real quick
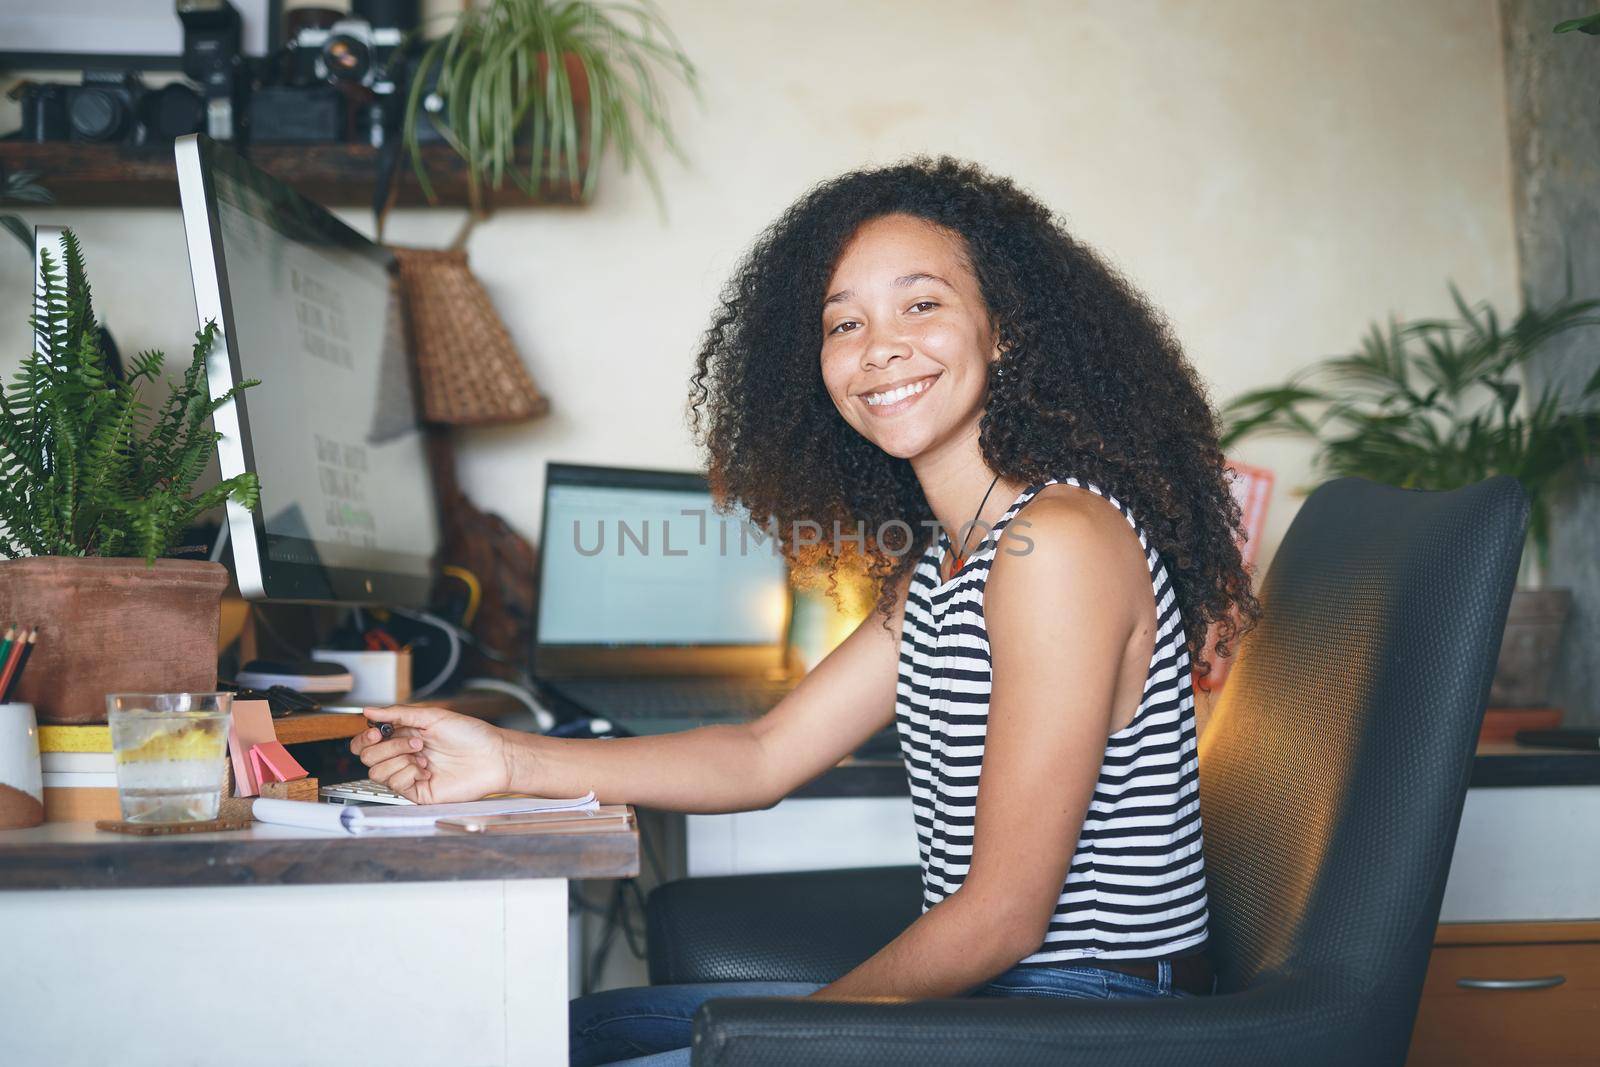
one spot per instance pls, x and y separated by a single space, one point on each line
273 761
251 726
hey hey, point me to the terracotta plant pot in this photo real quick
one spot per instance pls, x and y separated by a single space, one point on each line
112 625
1529 650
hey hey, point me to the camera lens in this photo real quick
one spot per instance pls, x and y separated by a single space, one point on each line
347 59
95 114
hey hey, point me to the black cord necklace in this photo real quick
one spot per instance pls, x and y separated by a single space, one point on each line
959 556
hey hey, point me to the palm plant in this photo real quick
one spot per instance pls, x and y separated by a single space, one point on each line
86 467
1434 404
503 94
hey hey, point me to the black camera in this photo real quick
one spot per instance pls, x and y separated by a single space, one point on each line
212 56
109 108
362 55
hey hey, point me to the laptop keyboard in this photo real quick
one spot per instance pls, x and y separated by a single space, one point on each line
712 699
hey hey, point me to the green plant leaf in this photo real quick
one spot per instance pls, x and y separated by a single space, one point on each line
1475 418
86 468
1587 24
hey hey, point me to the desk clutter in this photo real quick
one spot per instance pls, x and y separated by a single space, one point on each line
262 782
254 751
15 648
21 773
79 772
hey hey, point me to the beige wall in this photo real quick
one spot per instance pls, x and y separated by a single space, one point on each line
1274 174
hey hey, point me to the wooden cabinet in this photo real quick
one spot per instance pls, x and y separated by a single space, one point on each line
1511 993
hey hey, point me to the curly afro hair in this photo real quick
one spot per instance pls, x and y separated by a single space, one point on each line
1091 384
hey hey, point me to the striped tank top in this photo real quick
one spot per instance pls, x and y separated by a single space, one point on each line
1136 888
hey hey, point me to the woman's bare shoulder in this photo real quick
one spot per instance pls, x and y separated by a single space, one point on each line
1069 534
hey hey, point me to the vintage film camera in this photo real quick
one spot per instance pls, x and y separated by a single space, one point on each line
344 77
116 107
109 107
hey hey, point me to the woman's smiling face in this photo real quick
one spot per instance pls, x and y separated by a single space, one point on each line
906 336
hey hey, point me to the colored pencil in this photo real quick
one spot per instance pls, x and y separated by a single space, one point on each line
22 662
5 645
10 670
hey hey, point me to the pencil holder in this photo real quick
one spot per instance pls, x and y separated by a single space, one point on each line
21 783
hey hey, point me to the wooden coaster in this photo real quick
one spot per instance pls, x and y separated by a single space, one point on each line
149 829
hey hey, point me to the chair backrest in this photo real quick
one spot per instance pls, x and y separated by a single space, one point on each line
1335 765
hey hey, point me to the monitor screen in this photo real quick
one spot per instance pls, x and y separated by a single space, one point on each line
655 565
313 311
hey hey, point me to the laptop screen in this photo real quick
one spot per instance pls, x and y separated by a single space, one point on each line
650 563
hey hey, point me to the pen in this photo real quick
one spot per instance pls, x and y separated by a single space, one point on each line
383 728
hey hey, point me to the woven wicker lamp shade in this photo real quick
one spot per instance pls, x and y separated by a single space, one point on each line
469 371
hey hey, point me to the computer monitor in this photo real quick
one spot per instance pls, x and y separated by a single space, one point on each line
313 310
638 571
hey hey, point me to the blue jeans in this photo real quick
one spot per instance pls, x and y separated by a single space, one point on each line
651 1026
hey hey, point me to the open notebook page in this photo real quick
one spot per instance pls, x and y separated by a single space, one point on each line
355 819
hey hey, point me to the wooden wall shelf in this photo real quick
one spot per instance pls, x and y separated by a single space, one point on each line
334 175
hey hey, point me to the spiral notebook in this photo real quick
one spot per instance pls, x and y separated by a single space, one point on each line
412 818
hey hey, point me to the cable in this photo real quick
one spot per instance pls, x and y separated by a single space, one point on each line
451 662
634 939
474 591
467 636
541 715
597 961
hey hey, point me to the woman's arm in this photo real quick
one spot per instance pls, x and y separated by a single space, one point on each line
846 699
1060 621
439 756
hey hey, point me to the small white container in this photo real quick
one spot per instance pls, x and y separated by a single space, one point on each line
21 783
382 678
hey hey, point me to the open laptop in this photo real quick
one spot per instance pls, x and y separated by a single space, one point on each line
655 611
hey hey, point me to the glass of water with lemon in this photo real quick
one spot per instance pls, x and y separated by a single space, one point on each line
170 750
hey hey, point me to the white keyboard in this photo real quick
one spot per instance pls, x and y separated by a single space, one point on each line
363 791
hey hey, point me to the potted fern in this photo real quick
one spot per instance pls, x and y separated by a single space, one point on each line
20 187
95 485
490 89
1439 404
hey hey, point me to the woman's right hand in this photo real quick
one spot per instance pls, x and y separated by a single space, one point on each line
434 756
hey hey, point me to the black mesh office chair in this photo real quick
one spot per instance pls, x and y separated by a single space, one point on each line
1333 772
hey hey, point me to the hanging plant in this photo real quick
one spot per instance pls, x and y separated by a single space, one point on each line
490 89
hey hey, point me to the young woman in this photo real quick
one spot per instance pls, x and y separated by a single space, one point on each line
922 352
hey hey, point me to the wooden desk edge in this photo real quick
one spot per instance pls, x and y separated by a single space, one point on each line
29 859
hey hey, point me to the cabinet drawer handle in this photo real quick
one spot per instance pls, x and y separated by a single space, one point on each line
1512 983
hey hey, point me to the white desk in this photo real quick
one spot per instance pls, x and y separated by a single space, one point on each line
280 946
